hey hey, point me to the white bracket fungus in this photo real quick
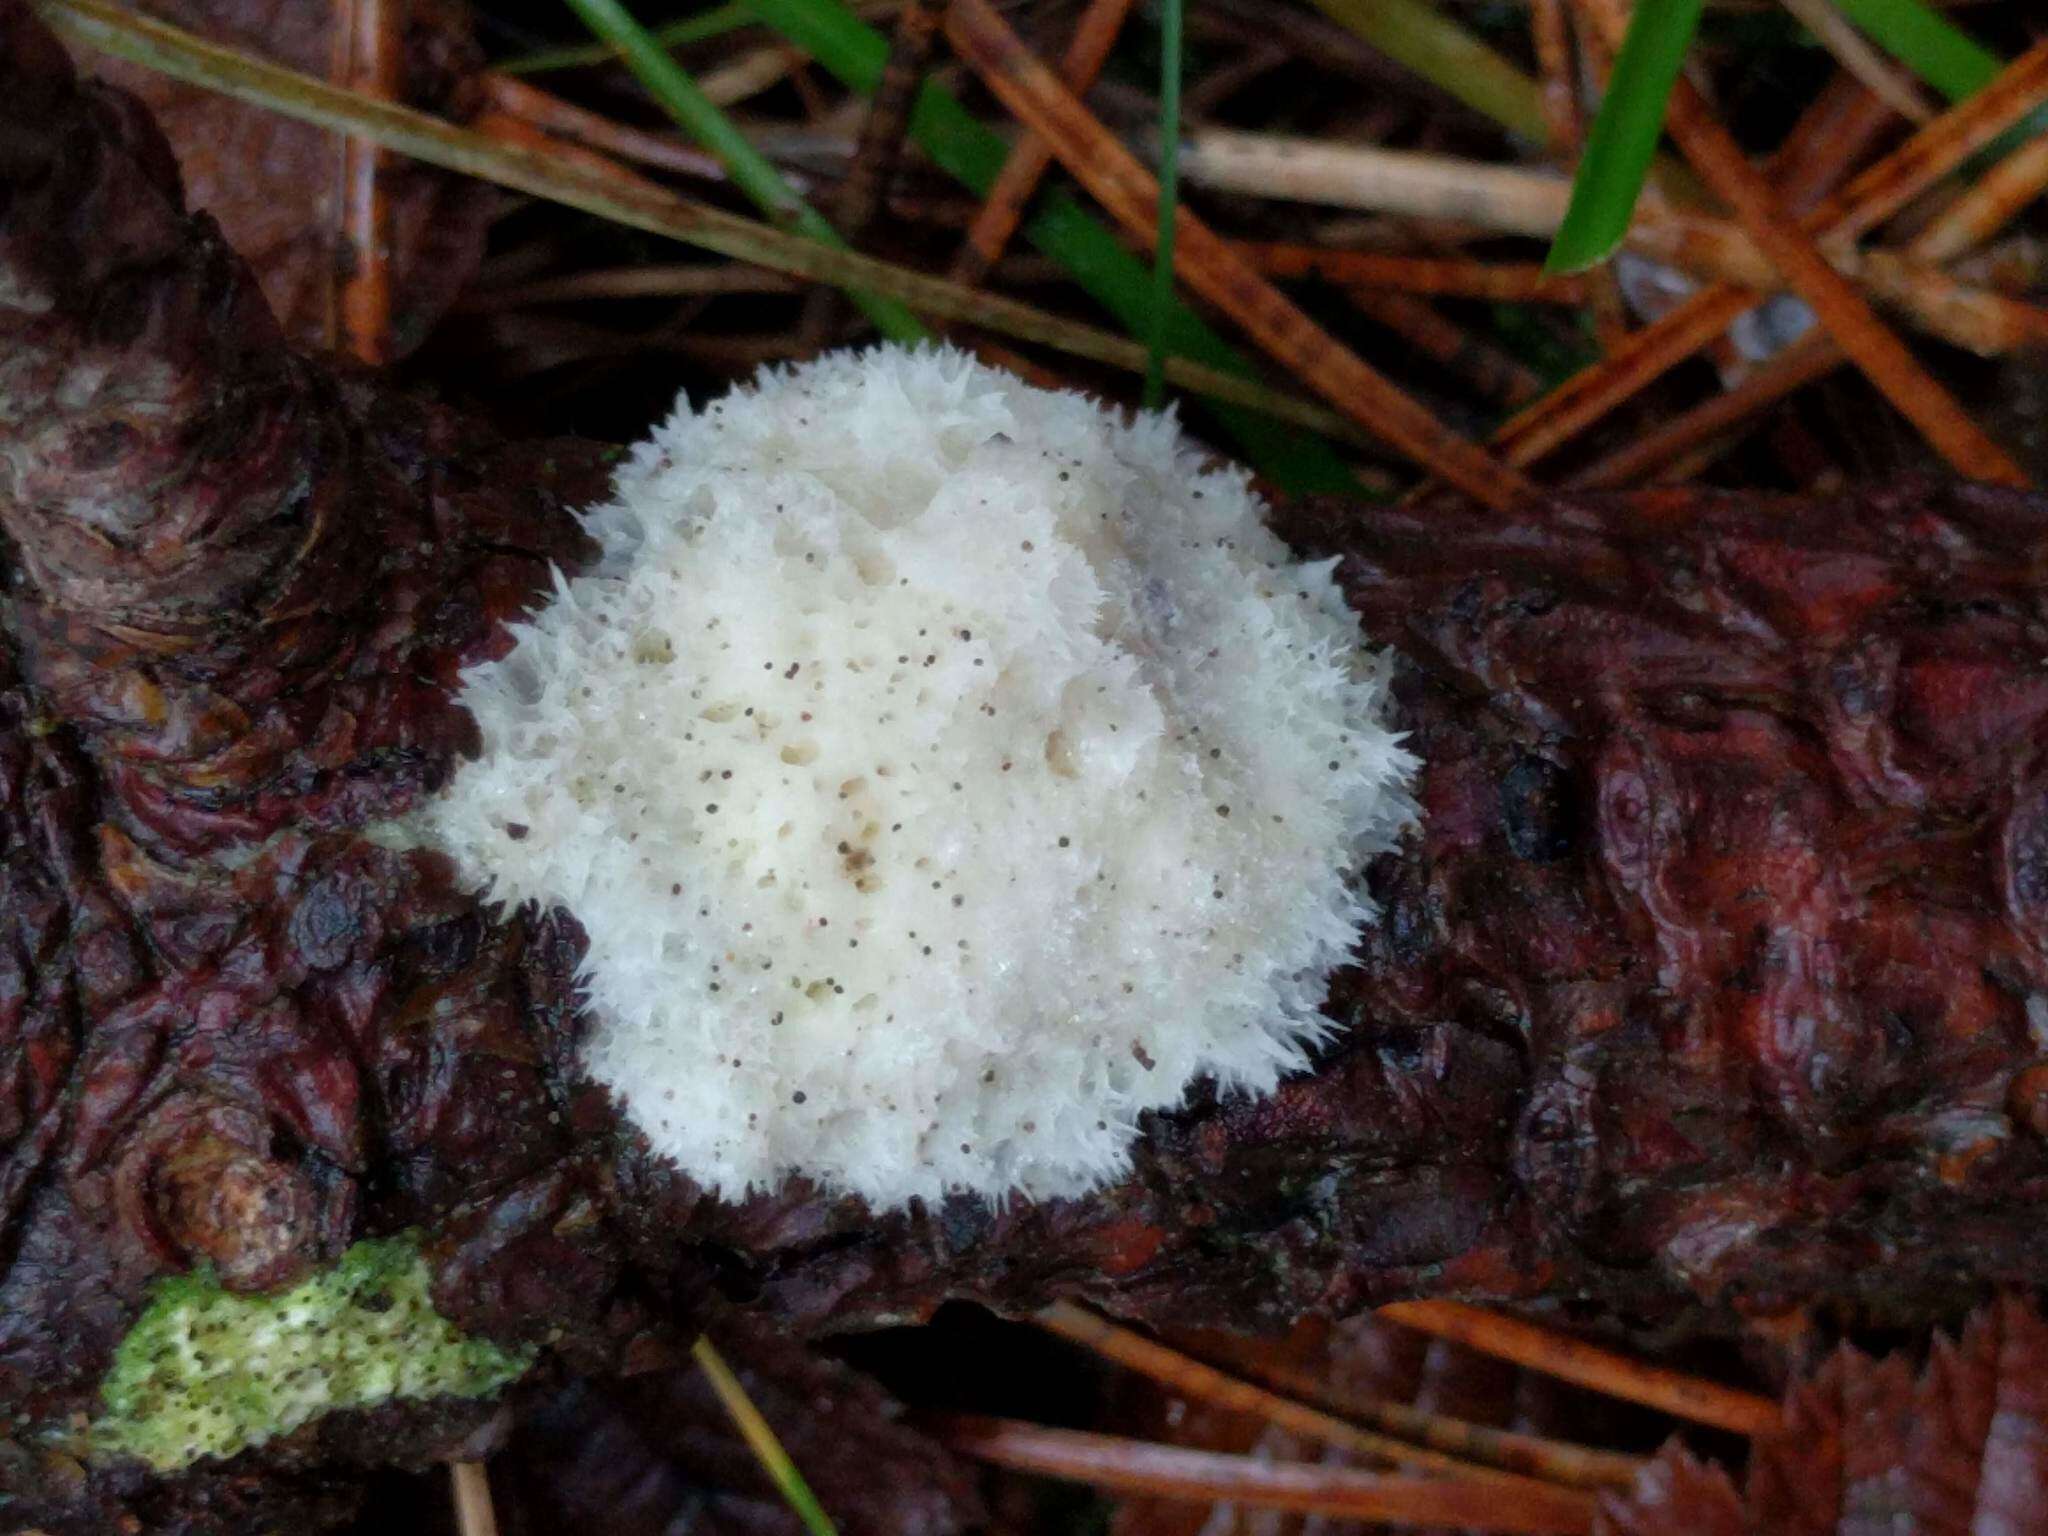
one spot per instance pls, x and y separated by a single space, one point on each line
945 772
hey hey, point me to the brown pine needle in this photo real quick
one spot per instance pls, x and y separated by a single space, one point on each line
1484 367
1843 122
593 130
1556 1461
1550 34
875 159
1690 440
1715 420
499 127
1988 204
1445 277
1094 38
1987 323
1874 195
1865 201
1860 58
1869 342
696 280
1956 312
1097 159
1631 367
527 161
1168 1471
876 155
1446 1446
368 57
475 1515
654 280
1589 1365
1705 246
1842 125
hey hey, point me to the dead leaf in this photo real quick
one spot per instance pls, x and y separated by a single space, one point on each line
1867 1448
273 184
656 1453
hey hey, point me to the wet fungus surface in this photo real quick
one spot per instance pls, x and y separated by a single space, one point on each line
945 772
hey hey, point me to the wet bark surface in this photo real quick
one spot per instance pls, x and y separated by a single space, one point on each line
1714 979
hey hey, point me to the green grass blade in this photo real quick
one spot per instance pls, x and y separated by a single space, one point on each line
715 22
1169 200
1926 42
1623 139
966 149
1415 35
761 1440
1947 58
751 171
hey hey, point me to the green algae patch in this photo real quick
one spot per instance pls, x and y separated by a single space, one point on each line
206 1372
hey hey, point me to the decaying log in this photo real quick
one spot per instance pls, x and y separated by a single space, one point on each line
241 588
1717 977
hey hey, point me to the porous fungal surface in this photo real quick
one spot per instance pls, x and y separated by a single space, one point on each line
944 770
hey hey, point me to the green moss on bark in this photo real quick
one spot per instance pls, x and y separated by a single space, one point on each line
206 1372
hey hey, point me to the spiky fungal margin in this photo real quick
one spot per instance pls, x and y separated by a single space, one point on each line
207 1372
945 772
